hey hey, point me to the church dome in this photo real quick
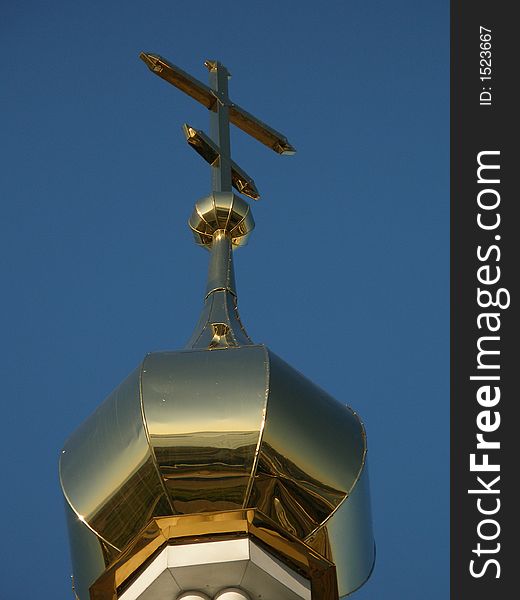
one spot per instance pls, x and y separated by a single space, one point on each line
220 440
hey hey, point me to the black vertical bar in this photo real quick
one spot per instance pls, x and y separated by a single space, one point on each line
484 126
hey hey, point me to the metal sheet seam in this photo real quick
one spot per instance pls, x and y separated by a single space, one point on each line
200 215
219 289
261 432
228 319
229 214
208 314
239 320
147 434
347 495
237 226
82 519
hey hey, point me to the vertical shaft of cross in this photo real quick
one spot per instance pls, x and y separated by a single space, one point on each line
219 127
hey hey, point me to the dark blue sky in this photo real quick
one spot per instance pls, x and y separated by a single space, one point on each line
345 276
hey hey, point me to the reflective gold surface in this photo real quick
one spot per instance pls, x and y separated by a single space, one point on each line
89 554
221 211
107 468
210 152
349 538
179 78
206 96
206 431
212 527
219 325
204 419
312 452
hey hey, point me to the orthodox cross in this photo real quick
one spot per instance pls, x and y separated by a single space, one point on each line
216 149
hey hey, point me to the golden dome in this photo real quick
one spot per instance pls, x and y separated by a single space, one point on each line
222 438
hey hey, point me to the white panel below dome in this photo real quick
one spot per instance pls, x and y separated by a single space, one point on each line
212 567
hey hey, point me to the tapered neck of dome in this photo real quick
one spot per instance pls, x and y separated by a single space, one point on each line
221 272
219 325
